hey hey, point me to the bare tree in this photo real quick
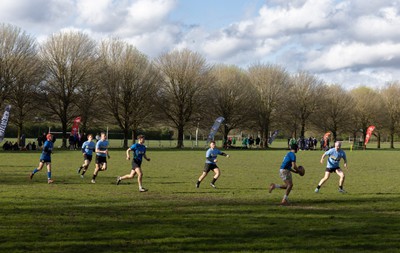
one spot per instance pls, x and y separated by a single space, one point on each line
305 98
390 95
335 113
271 83
22 96
19 72
368 105
69 59
183 92
87 104
130 81
231 97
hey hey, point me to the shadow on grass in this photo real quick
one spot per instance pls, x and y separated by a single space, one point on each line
160 223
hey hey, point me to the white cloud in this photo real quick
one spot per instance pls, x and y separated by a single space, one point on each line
146 16
353 55
343 39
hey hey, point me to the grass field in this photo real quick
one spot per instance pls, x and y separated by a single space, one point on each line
73 215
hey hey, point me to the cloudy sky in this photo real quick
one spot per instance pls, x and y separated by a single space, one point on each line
348 42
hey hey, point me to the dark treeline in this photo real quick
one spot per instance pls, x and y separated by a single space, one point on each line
111 82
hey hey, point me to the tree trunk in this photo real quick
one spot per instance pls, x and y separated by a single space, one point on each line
64 134
303 128
180 137
126 137
378 140
265 136
226 132
134 135
391 139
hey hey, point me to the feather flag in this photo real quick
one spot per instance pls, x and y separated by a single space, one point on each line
326 137
4 122
214 128
75 126
273 136
370 129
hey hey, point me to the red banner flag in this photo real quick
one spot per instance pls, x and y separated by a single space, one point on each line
326 137
370 129
75 126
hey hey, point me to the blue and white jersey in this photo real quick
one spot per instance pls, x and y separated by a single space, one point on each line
88 147
138 151
47 150
334 158
211 155
289 158
102 146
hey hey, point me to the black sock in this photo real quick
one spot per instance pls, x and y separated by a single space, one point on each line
318 186
213 181
94 177
198 182
83 172
340 187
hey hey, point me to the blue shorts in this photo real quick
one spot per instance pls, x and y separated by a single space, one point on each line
210 166
47 160
331 170
136 163
101 159
87 157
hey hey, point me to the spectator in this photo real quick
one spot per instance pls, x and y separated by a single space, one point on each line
22 141
7 145
28 146
15 146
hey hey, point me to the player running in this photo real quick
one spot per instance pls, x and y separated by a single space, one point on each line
211 164
45 158
101 156
334 156
87 150
288 165
139 152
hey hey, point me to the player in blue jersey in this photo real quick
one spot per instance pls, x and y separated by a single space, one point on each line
139 152
334 156
87 150
101 156
288 166
211 164
45 158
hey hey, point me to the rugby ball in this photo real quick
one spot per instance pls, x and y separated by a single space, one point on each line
301 170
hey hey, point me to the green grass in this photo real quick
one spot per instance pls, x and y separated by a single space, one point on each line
73 215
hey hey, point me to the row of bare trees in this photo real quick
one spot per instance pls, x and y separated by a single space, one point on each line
112 82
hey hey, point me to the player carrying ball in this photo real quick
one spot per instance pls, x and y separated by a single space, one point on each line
288 165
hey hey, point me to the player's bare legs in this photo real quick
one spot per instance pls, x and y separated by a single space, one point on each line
341 180
325 178
202 176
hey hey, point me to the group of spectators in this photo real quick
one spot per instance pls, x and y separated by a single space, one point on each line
310 143
75 141
247 142
8 145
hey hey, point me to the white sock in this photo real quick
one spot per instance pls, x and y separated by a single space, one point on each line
285 197
277 186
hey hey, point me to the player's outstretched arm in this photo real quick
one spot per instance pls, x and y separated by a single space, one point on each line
224 154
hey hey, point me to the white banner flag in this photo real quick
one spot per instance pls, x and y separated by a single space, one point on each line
4 122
